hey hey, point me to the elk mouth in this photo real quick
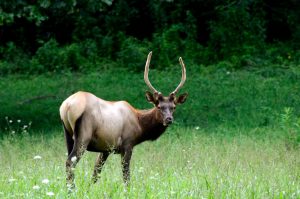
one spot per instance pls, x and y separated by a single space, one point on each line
167 121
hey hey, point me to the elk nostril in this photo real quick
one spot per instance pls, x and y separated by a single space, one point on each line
169 119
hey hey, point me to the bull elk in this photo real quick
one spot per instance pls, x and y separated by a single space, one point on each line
93 124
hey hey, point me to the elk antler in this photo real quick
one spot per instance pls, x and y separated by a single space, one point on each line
146 78
183 77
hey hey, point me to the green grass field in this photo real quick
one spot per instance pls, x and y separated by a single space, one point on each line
237 136
183 163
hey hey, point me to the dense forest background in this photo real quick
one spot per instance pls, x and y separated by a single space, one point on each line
39 36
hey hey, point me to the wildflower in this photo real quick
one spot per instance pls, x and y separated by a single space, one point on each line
36 187
141 169
18 121
13 132
197 127
25 126
45 181
73 159
37 157
50 193
11 180
10 121
228 72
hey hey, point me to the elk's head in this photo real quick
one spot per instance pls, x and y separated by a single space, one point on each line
165 104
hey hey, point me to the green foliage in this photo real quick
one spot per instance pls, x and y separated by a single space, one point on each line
237 31
217 96
15 60
52 58
290 125
133 53
231 34
17 9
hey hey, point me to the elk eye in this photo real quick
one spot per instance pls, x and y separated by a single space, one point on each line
158 107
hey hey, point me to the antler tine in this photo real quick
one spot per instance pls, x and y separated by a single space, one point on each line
146 78
183 77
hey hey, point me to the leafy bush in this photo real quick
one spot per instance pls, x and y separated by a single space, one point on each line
237 30
290 125
51 57
133 53
14 60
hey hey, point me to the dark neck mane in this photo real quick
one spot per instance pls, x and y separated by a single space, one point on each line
151 125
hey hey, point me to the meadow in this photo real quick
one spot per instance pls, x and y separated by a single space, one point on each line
183 163
237 136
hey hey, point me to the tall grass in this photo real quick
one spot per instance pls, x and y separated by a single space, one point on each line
183 163
217 97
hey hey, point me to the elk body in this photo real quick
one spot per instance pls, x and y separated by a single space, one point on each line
93 124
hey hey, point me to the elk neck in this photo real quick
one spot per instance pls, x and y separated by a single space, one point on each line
151 125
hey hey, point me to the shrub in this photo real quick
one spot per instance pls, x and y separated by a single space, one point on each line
237 30
50 57
133 53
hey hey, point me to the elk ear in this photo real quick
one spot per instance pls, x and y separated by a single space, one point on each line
150 98
181 99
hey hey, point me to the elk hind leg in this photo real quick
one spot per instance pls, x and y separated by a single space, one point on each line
69 140
102 157
81 140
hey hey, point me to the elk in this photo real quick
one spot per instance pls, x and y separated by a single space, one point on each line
96 125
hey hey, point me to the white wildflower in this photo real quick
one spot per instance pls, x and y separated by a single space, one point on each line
73 159
13 132
11 179
45 181
141 169
50 193
25 126
37 157
18 121
36 187
10 121
197 127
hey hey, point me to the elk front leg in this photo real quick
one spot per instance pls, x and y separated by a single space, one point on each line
102 157
126 156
